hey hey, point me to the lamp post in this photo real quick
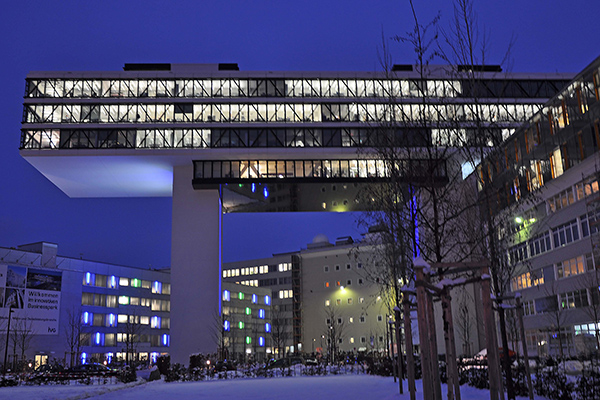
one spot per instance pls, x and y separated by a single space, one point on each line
10 311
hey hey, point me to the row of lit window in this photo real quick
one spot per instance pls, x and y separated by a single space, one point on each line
260 269
254 298
362 319
563 269
114 282
108 358
260 313
112 320
111 339
582 189
112 301
231 137
242 325
135 88
255 270
263 113
561 235
252 282
338 302
347 282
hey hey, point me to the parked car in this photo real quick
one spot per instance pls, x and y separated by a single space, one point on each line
224 366
47 372
91 369
285 362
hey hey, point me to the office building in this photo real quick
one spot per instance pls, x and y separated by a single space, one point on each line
546 177
218 139
75 311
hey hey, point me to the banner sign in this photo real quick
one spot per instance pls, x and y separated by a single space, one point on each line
34 296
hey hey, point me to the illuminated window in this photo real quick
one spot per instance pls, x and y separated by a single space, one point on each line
350 300
254 299
145 320
112 282
261 314
241 295
338 283
361 300
226 326
157 287
99 339
136 282
123 300
327 303
326 284
155 322
87 318
123 281
165 340
267 327
351 320
89 279
351 340
111 320
248 340
573 266
122 318
338 302
241 325
226 295
248 311
261 341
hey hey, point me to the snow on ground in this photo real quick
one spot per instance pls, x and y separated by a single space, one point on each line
331 387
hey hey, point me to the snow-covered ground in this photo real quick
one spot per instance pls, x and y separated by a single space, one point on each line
331 387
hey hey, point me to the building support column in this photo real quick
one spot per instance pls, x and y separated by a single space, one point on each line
195 267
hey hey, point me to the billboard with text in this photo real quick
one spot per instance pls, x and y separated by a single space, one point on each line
34 296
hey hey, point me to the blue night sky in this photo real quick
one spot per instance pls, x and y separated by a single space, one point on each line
551 36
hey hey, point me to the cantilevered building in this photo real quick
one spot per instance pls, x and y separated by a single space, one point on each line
547 179
218 139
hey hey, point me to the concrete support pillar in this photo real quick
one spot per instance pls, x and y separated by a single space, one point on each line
195 267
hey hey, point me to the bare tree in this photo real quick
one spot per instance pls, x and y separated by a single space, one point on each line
72 332
334 331
24 334
279 330
131 334
464 320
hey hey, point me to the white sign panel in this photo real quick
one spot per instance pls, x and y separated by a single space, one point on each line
34 296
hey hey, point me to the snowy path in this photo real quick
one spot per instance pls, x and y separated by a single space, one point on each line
332 387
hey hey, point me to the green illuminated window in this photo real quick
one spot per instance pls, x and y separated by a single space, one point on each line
136 282
241 295
248 311
241 325
248 340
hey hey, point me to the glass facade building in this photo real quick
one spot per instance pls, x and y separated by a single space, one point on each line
544 182
179 106
218 139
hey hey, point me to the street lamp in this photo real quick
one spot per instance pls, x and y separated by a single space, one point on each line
10 311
